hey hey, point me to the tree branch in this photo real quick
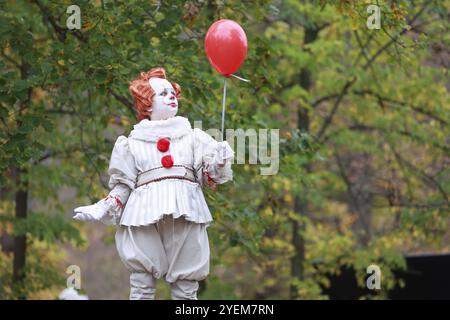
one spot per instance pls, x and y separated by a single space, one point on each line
350 82
430 180
126 102
61 32
368 128
393 101
330 116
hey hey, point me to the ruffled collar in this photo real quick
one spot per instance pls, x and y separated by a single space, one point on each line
152 130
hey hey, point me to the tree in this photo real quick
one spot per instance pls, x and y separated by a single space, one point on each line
343 83
64 98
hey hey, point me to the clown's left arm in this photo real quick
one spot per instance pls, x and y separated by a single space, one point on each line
215 157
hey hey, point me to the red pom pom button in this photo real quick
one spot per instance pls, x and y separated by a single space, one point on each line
163 144
167 161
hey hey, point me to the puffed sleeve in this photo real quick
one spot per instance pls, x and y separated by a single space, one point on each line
122 170
207 155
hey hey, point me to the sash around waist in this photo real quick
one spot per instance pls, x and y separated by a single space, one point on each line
162 173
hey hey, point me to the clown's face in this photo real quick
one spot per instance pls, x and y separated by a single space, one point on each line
165 103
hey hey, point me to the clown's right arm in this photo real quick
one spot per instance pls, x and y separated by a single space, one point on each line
122 171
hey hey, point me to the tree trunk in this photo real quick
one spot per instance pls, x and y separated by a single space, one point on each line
301 203
21 200
20 245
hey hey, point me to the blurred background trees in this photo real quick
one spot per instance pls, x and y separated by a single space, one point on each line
363 117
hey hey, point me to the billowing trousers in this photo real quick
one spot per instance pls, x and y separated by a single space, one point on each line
175 248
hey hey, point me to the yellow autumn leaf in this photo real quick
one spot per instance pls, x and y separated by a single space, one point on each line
88 26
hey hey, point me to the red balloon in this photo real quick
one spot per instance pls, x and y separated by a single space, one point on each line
226 46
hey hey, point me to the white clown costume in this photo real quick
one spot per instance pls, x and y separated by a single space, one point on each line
162 230
156 199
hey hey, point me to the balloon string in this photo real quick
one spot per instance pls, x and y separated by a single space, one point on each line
242 79
224 101
223 105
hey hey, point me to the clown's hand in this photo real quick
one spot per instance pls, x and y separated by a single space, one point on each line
95 212
224 152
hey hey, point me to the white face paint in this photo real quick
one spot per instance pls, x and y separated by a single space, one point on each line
165 103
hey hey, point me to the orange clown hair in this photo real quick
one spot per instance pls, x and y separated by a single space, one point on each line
143 93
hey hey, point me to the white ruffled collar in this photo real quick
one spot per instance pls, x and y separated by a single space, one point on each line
152 130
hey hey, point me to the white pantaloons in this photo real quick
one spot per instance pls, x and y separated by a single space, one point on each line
142 286
184 290
176 249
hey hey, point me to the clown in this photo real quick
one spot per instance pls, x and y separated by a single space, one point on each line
156 199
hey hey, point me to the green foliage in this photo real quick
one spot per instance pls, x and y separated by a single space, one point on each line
45 228
363 117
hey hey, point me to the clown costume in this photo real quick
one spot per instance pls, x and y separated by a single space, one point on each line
156 199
